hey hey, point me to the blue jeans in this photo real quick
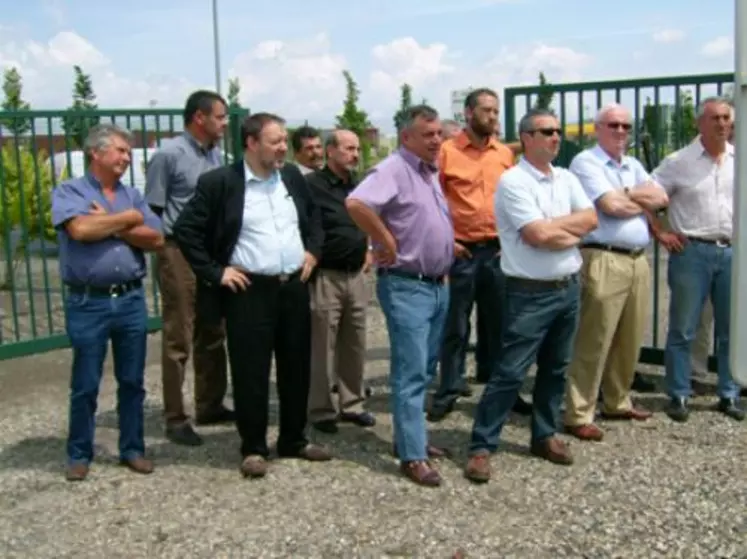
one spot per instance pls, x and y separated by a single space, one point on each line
93 320
477 279
415 313
539 325
701 270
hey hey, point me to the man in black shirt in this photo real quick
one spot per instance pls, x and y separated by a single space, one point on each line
339 294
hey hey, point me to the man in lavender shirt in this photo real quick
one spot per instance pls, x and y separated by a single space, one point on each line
401 207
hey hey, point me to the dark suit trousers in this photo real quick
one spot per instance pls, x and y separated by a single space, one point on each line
269 318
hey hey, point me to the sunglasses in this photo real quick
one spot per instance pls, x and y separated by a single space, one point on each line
548 131
620 125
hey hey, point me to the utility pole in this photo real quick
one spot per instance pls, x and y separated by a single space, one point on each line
216 46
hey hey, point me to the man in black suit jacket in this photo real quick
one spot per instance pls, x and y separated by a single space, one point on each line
252 234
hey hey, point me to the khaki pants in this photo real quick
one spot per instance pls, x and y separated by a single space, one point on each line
339 301
184 333
614 304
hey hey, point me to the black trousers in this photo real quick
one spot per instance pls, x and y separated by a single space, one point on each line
269 318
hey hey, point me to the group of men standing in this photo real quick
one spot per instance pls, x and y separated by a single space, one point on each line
263 259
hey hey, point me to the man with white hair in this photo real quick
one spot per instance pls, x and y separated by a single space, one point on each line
615 277
699 180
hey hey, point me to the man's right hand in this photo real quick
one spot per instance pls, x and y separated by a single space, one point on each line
234 279
673 242
461 251
386 252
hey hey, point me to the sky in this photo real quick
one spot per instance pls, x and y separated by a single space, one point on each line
289 55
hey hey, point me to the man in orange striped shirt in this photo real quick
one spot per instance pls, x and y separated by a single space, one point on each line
470 165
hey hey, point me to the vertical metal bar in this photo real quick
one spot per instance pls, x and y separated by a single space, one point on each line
509 116
5 198
23 205
599 99
679 134
657 248
637 122
738 319
42 209
581 123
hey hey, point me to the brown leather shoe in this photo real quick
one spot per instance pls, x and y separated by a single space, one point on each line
553 450
314 453
253 466
478 468
421 473
76 472
588 432
432 451
139 465
633 414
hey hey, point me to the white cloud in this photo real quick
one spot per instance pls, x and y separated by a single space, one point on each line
720 46
48 75
668 36
298 79
405 61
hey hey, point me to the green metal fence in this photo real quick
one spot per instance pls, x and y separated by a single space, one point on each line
663 112
39 149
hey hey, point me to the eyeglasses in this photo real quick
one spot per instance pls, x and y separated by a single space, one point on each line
620 126
548 131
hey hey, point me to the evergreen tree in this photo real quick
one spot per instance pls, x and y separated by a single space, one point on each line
355 119
84 99
13 101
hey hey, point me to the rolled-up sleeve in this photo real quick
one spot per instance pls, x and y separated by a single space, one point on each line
68 201
376 191
517 204
590 174
157 177
150 219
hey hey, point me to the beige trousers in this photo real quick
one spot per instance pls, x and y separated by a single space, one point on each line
614 303
339 302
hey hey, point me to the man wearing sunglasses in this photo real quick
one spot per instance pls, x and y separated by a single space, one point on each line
542 213
615 276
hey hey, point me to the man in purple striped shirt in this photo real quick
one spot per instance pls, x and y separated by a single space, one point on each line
401 207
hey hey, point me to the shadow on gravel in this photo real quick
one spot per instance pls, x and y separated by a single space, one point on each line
36 453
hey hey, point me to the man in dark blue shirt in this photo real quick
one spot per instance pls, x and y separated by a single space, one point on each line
104 228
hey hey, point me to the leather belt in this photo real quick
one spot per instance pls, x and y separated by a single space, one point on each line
278 278
541 284
722 243
437 280
634 252
113 290
493 243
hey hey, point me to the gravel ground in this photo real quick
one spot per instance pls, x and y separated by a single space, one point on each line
653 490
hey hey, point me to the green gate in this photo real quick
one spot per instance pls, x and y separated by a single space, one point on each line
663 111
38 149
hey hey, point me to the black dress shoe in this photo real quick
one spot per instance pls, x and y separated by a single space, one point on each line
677 410
328 426
730 408
466 391
183 434
364 419
522 407
642 384
439 413
221 415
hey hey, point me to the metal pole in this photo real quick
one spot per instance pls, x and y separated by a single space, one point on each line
216 46
738 324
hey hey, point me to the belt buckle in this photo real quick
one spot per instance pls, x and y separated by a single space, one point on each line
721 243
282 278
113 291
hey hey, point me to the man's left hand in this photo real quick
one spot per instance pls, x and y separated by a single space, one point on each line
309 263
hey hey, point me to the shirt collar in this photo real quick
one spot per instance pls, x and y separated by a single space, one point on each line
416 162
335 179
536 173
204 148
249 176
97 184
698 141
462 141
605 157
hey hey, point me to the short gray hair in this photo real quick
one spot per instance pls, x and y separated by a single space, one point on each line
601 113
526 124
718 100
426 112
100 136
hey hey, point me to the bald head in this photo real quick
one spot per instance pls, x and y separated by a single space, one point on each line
343 151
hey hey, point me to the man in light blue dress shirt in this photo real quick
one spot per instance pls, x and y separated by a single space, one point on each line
615 278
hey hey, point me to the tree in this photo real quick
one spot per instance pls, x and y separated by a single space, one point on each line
84 99
25 204
544 94
683 124
355 119
234 92
13 101
404 105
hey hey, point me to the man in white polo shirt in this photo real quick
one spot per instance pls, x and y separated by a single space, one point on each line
616 280
542 215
